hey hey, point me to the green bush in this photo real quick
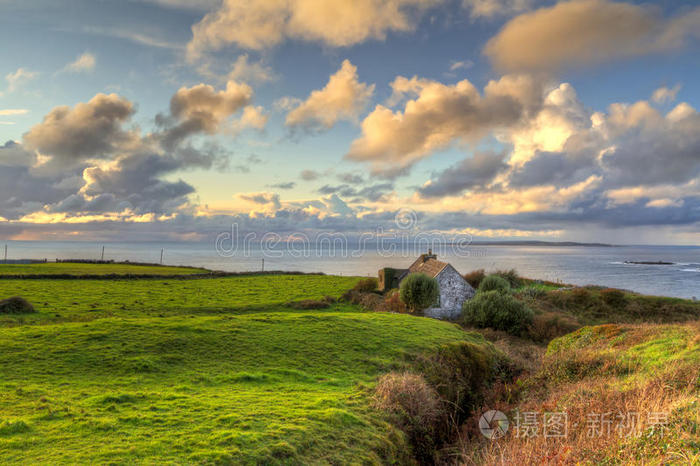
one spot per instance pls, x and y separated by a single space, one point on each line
497 310
16 305
613 297
511 276
418 291
494 283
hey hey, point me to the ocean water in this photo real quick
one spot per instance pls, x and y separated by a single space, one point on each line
577 265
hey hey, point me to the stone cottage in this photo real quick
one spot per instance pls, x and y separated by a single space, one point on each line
454 289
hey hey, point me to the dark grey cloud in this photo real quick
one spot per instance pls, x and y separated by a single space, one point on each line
473 172
88 130
309 175
372 193
287 185
351 178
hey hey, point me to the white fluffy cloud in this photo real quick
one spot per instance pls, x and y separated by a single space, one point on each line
581 32
201 108
243 70
438 116
84 63
343 97
665 94
18 78
257 24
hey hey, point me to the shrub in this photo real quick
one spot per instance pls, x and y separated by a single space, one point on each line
581 296
511 276
415 408
497 310
369 301
475 277
393 303
366 285
419 291
16 305
533 292
548 326
494 283
613 297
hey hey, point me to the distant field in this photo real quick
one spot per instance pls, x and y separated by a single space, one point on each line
201 371
52 268
70 300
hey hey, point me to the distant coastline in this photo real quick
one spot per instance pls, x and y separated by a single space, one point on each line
542 243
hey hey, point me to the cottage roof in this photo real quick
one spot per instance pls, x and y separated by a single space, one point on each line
428 265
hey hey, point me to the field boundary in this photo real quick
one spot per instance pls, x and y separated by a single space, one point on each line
117 276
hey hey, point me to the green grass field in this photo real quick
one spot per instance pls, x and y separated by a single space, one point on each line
52 268
201 371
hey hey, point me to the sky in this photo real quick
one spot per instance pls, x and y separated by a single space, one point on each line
499 119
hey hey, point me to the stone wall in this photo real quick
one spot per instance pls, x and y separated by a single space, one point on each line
454 290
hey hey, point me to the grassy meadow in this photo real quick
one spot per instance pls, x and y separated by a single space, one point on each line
214 370
239 370
68 268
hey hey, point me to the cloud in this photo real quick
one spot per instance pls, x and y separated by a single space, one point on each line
245 71
373 193
83 64
287 185
13 111
252 159
493 8
584 32
88 130
343 98
309 175
269 202
439 116
664 94
202 109
460 65
252 117
477 171
258 25
185 4
19 78
351 178
137 37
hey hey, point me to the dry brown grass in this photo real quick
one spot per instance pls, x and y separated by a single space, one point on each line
474 277
610 369
393 303
549 325
415 408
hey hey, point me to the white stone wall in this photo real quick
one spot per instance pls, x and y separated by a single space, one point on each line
454 290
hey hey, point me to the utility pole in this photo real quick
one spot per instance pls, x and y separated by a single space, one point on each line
6 253
102 258
161 256
263 265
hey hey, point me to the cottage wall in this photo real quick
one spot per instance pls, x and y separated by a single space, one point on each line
454 290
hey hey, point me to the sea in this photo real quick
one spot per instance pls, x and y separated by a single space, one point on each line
609 266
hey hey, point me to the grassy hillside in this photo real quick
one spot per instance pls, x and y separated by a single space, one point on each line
65 268
201 371
630 392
